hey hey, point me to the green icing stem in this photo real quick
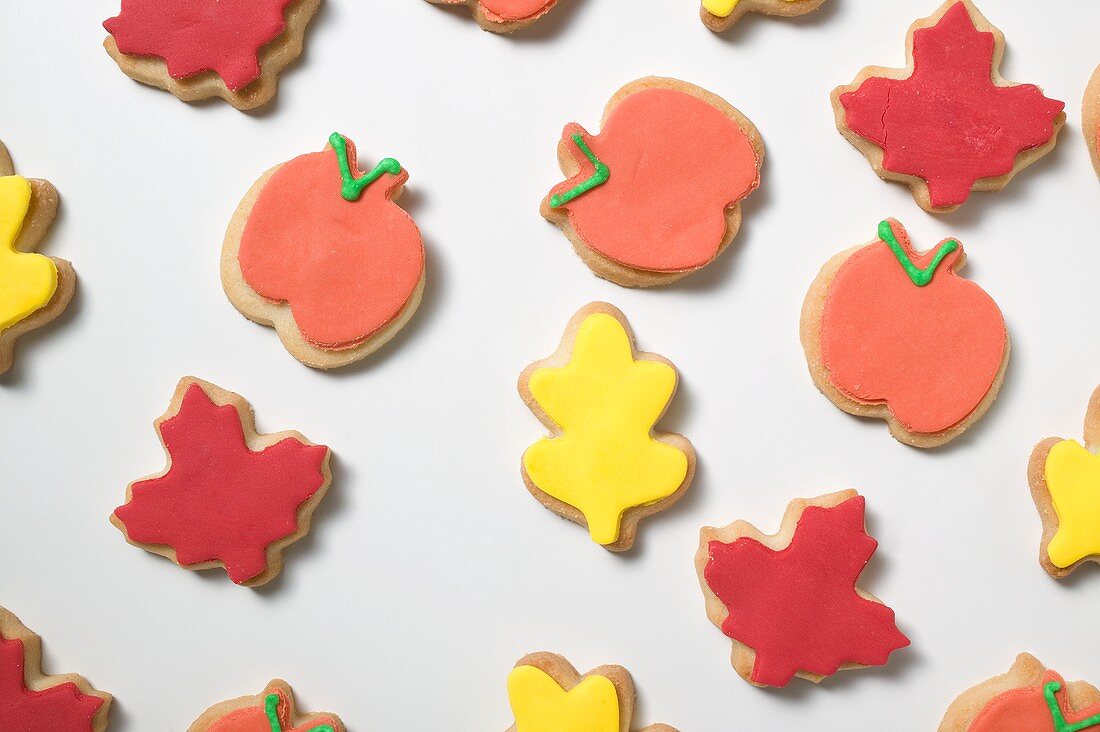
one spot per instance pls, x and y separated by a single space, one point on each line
599 177
271 706
1060 724
352 188
920 277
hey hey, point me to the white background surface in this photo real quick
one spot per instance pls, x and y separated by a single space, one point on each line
430 569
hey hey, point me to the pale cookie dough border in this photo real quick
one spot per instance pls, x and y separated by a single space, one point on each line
742 656
1090 117
1040 492
875 154
297 719
493 24
622 274
1026 671
43 209
813 308
777 8
33 677
274 57
278 315
628 528
567 677
256 442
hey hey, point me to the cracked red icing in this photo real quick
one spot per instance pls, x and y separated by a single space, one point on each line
192 36
948 123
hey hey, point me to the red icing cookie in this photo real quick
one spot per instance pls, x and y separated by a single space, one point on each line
272 711
323 253
656 194
789 601
1090 118
948 124
31 701
230 497
900 335
504 16
1029 698
196 49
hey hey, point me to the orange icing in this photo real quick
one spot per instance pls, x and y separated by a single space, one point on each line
1025 710
677 163
516 9
346 268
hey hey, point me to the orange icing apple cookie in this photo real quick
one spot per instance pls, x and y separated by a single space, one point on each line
1090 118
1029 698
656 195
504 16
323 253
548 695
271 711
897 334
198 49
1064 476
720 15
34 289
603 465
31 701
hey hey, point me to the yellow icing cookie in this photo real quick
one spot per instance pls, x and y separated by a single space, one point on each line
603 403
540 704
27 281
1073 478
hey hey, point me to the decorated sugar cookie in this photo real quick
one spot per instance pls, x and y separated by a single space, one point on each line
789 601
719 15
34 289
1029 698
230 496
197 49
949 123
31 701
603 465
899 335
1090 118
504 16
271 711
548 695
656 195
1065 483
321 251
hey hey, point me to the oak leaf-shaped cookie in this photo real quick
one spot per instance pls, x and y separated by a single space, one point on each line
230 497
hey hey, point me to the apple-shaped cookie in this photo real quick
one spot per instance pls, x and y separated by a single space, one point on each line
271 711
900 335
504 16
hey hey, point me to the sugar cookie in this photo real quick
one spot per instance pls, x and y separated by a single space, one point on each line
230 497
603 466
720 15
504 16
656 195
271 711
949 123
1090 118
899 335
322 252
789 601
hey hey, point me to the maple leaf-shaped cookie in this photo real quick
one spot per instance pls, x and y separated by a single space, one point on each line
196 49
31 701
789 601
949 123
230 497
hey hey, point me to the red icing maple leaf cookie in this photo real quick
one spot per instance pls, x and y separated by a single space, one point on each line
1090 118
230 497
504 16
272 711
197 49
323 253
1029 698
789 601
899 335
656 195
31 701
948 124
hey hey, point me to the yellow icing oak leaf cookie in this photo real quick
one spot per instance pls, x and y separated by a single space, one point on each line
1065 483
603 466
34 289
718 15
548 695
